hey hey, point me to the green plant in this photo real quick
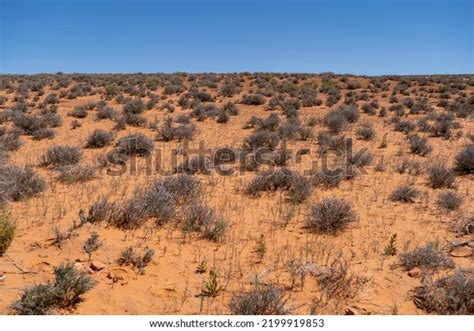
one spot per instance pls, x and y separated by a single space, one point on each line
211 288
391 248
92 244
139 261
7 231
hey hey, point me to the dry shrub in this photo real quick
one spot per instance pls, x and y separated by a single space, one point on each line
65 292
464 161
449 200
297 186
330 215
439 176
61 155
261 300
99 138
428 257
76 173
450 295
17 183
404 193
135 144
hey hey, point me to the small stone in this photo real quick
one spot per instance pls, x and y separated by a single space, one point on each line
115 277
414 272
351 311
97 265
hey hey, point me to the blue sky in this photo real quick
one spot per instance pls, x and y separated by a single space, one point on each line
360 37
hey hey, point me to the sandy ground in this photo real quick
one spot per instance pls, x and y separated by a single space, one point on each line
170 284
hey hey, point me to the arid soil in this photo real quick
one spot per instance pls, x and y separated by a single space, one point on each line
267 235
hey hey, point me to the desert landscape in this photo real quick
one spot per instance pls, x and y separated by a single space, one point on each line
245 193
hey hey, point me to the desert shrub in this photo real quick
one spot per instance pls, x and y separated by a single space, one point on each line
185 132
419 145
335 121
19 183
136 106
222 117
405 165
65 292
464 160
99 138
349 112
262 139
366 131
183 187
329 142
304 133
61 155
463 225
261 300
166 132
449 200
5 116
370 108
10 141
253 99
43 134
228 89
202 96
100 211
428 257
439 176
28 123
182 119
131 214
200 218
337 282
135 144
79 112
450 295
134 119
139 261
328 178
361 158
159 202
7 231
289 130
297 186
231 109
404 126
404 193
36 300
76 173
106 113
331 215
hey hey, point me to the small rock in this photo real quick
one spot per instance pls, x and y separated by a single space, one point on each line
351 311
115 277
97 265
414 272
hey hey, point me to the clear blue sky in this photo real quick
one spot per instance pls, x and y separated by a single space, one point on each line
360 37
